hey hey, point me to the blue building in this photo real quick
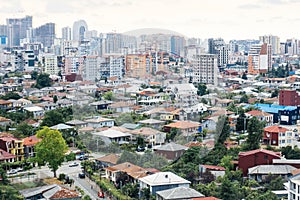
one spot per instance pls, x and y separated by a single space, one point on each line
284 115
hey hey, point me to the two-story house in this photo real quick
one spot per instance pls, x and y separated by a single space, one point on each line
13 146
187 128
162 181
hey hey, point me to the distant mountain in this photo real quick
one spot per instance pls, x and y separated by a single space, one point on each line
150 31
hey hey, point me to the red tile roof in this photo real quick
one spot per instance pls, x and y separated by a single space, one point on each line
31 140
5 155
65 193
183 125
111 158
213 167
275 129
247 153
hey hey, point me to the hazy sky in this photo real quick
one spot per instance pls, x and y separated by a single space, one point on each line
230 19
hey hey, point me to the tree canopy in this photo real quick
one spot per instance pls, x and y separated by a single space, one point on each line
51 149
43 80
52 118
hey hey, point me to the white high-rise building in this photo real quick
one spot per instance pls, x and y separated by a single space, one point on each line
50 64
91 68
79 29
272 40
205 69
66 33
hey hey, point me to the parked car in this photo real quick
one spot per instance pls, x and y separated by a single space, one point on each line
81 175
140 149
11 172
73 164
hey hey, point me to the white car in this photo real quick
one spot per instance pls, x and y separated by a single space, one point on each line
73 164
13 171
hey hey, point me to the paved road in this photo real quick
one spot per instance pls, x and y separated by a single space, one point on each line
44 172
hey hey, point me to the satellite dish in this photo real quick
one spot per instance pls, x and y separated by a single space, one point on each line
268 135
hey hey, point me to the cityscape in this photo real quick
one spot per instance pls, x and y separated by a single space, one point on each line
148 113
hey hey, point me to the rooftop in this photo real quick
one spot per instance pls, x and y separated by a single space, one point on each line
163 178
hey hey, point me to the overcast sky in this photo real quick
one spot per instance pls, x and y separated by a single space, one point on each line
230 19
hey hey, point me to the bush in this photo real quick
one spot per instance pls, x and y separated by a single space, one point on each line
61 177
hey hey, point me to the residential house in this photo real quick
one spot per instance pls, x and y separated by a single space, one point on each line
254 158
261 116
171 151
271 135
110 135
77 123
290 137
4 121
284 115
186 128
121 107
19 103
130 126
108 160
125 172
36 111
151 136
153 123
101 105
261 172
293 187
99 122
6 157
5 105
49 192
216 171
13 146
178 193
29 143
162 181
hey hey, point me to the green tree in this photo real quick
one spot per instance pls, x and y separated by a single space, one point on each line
108 96
34 75
11 95
255 133
228 190
241 123
51 149
9 192
52 118
55 99
226 162
244 76
222 129
23 130
274 182
173 133
202 89
244 99
43 80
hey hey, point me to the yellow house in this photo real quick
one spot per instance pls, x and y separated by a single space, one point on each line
13 146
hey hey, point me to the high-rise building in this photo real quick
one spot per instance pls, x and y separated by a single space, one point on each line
50 64
177 45
292 46
260 58
138 65
45 34
219 47
113 43
66 33
16 29
272 40
91 68
205 69
79 29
